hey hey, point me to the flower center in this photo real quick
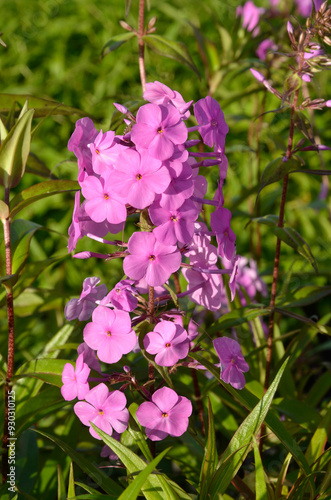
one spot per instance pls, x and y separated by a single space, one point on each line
100 412
226 234
168 344
174 218
164 414
213 123
118 290
106 196
108 333
151 257
160 130
138 177
97 151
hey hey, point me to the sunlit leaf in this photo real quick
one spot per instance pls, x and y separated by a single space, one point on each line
115 42
293 239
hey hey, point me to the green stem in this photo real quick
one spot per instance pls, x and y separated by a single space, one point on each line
141 44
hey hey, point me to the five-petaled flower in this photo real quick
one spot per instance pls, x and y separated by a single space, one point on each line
232 362
167 413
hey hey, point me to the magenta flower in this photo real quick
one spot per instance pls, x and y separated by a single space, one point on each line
89 357
150 259
180 188
110 333
232 362
174 225
167 414
105 409
123 296
226 239
83 307
139 177
169 341
212 124
102 203
264 47
104 151
205 289
107 452
74 380
158 93
158 129
84 133
251 16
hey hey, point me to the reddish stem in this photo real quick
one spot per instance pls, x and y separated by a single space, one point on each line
11 339
141 44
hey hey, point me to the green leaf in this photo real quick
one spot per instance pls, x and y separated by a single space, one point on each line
3 131
268 220
210 458
4 210
293 239
106 483
276 170
71 485
133 490
152 487
304 296
31 410
42 107
319 439
304 125
49 370
247 399
241 442
238 317
171 49
61 490
115 42
282 475
38 192
135 431
14 151
260 483
36 166
173 295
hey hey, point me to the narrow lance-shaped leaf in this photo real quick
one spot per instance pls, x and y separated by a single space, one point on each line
41 106
115 42
171 49
260 483
210 459
241 442
14 151
106 483
293 239
276 170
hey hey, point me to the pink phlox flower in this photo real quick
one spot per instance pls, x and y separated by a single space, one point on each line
158 93
233 277
102 202
180 189
220 221
212 125
174 225
104 151
264 47
107 410
232 362
206 289
74 380
110 334
199 250
158 129
315 52
123 296
169 341
142 287
150 259
82 225
167 413
107 452
89 357
223 168
250 16
84 133
200 187
175 164
304 7
139 177
83 307
248 278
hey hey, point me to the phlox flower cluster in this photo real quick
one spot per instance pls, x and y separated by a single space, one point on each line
151 171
